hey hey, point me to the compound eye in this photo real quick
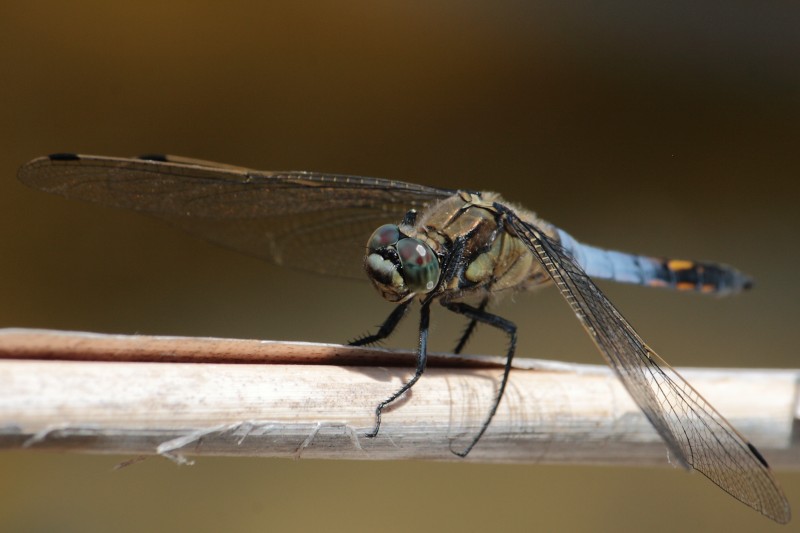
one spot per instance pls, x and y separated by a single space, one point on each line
420 266
386 235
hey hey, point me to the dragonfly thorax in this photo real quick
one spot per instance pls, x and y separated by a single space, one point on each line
400 266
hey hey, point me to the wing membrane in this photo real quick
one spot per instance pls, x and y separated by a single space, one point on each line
310 221
695 433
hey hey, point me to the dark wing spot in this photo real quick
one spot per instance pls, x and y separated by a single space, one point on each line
63 157
758 455
154 157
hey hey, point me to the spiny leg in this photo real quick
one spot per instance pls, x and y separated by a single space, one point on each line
478 314
422 358
386 328
470 327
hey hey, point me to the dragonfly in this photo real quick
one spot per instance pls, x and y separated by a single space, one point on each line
459 248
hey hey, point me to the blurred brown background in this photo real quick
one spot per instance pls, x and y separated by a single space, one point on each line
662 129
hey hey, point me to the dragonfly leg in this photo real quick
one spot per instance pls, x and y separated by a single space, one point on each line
479 315
386 328
450 268
422 358
470 329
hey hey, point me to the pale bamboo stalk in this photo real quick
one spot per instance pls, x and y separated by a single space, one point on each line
137 395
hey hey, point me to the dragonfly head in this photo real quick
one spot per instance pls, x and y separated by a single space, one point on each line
399 265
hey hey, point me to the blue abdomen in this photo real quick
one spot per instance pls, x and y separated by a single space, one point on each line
679 274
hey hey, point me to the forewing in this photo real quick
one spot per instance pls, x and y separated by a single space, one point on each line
311 221
695 433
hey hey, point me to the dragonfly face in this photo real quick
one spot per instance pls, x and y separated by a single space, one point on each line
400 266
461 245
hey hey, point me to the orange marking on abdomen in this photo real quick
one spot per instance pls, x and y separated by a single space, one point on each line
657 283
685 286
679 264
707 287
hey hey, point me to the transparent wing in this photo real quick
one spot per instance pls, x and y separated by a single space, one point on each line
311 221
695 433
